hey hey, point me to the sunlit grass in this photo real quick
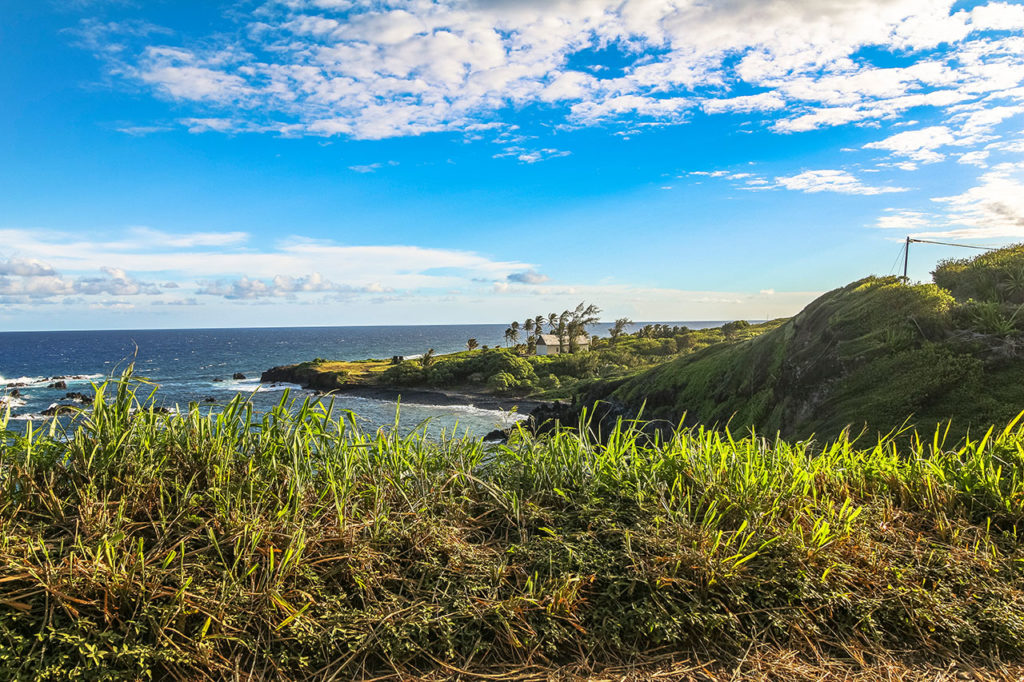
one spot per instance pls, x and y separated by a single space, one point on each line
293 543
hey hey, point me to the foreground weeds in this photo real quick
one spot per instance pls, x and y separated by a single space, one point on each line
293 545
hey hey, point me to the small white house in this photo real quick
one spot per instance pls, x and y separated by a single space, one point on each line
547 344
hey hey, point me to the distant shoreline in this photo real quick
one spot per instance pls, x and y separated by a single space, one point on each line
421 396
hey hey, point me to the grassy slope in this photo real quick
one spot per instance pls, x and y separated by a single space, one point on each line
218 547
871 353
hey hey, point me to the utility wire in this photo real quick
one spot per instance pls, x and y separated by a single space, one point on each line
892 270
965 246
910 240
895 263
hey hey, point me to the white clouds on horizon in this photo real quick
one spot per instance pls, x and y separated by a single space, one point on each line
397 280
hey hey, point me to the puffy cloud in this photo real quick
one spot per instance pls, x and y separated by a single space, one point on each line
246 288
26 268
34 279
115 282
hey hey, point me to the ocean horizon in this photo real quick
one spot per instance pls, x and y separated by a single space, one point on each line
199 366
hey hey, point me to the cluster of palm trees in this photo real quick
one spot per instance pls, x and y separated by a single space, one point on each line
568 326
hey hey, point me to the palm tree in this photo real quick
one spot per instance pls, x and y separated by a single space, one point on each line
515 332
472 344
619 328
538 324
528 326
563 331
508 335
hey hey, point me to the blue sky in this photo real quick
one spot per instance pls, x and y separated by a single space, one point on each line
291 162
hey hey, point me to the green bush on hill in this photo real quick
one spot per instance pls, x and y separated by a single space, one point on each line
996 276
871 354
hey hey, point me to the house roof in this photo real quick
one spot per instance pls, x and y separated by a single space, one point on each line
552 340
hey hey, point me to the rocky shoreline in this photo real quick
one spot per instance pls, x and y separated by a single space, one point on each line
329 384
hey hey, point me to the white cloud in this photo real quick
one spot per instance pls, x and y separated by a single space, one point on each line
26 268
993 209
400 67
246 288
765 101
906 221
838 181
222 267
35 279
919 145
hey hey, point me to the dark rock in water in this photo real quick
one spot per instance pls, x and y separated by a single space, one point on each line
17 384
496 436
79 397
55 408
209 400
217 381
237 376
161 410
15 393
58 384
305 376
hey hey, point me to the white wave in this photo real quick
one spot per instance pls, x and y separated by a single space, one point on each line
254 385
23 381
352 402
33 382
11 402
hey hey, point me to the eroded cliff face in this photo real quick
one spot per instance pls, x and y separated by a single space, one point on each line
304 375
869 355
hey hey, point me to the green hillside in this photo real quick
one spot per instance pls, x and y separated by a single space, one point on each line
869 354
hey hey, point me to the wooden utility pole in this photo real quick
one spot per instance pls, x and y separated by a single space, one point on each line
906 257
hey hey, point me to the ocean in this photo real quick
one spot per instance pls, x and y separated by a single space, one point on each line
193 365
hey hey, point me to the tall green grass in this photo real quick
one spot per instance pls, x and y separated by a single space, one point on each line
293 544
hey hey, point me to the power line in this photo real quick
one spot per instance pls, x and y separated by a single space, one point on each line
910 240
963 246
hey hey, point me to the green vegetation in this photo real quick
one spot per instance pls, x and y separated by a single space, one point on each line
870 354
505 370
329 375
569 326
292 545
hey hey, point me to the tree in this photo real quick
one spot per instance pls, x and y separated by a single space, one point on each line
619 328
563 331
508 336
577 322
428 358
472 344
528 326
514 327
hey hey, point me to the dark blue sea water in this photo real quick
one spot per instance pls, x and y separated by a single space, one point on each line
190 365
